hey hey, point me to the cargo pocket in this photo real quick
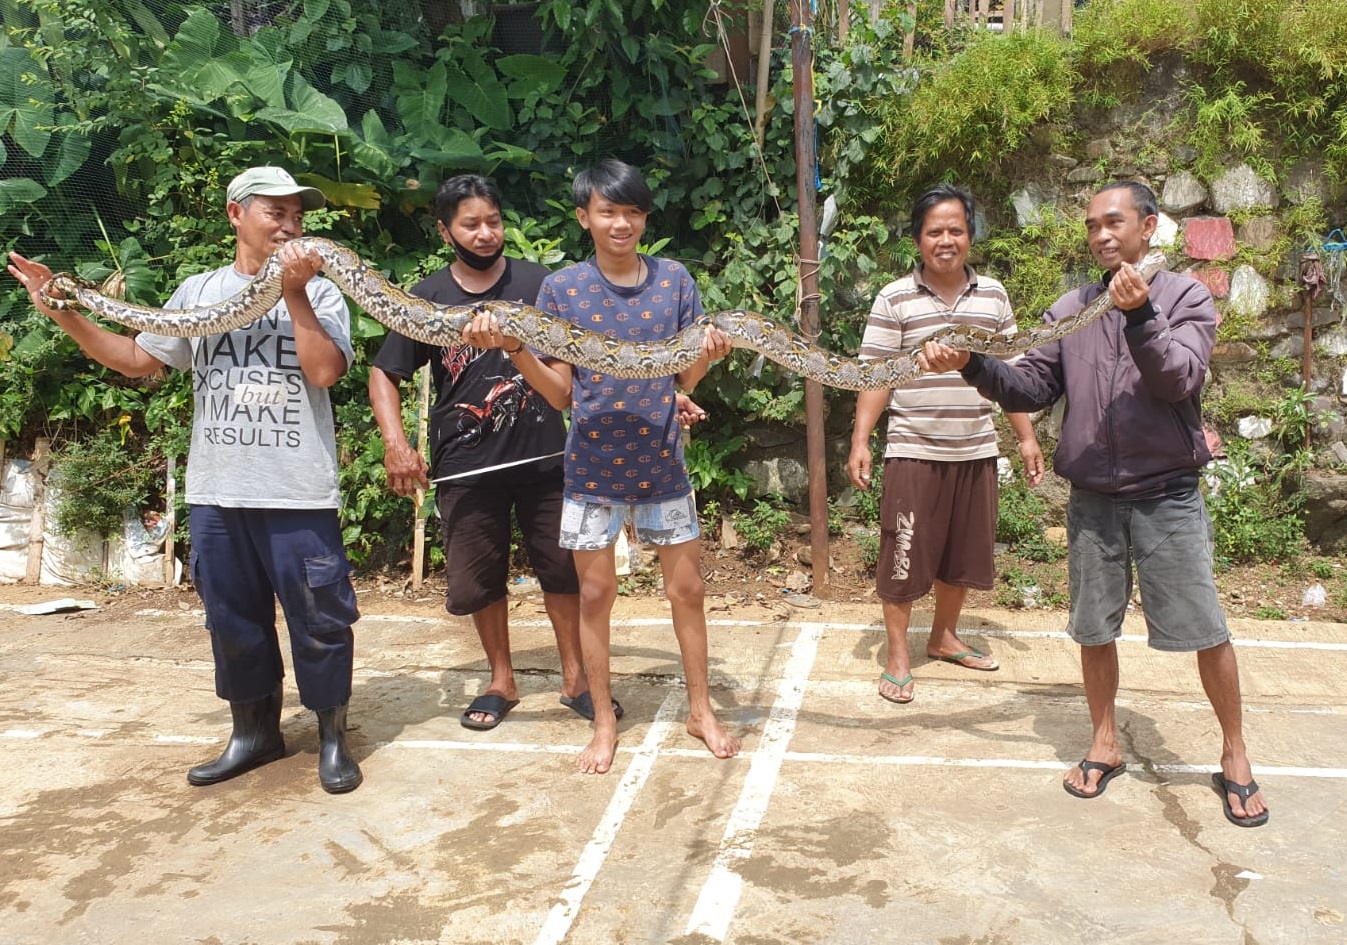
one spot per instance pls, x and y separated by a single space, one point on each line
194 575
331 597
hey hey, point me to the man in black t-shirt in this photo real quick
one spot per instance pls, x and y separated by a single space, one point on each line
496 446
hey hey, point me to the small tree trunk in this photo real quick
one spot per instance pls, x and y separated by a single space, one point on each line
764 73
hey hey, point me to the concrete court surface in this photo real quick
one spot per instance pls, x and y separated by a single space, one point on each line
846 819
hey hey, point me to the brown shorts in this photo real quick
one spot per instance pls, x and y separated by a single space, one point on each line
938 524
475 524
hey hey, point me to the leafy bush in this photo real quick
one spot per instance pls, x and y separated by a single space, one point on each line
1254 517
710 476
1020 518
971 112
759 527
1033 262
100 477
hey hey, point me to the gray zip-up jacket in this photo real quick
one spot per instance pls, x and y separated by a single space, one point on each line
1132 382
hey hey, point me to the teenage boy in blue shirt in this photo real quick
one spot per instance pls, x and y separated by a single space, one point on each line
624 454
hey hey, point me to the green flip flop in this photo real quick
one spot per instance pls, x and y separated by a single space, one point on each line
900 683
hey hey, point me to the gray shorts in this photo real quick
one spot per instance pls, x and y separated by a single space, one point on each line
1170 539
590 526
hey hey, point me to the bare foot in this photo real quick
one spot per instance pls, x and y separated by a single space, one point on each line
1086 783
709 730
597 756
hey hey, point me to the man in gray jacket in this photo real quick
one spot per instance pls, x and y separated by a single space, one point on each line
1131 447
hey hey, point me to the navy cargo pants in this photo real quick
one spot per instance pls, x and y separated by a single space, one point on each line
243 561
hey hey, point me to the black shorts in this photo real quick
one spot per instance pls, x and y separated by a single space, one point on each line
475 524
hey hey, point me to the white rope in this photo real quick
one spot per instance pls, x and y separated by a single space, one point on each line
487 469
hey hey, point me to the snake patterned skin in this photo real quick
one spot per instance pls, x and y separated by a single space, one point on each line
443 325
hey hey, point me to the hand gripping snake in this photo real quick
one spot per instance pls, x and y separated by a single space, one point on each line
443 325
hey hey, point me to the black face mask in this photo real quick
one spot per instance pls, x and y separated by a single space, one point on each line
473 260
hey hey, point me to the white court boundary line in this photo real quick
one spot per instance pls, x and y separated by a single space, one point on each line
980 631
798 626
591 860
798 757
719 898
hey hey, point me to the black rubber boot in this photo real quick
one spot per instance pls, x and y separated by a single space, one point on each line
256 740
337 770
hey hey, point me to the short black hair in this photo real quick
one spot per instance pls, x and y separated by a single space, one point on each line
613 180
1143 198
940 194
458 189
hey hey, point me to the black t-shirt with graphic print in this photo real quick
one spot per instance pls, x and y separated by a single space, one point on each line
484 412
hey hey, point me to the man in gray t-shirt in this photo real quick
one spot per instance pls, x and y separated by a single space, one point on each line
261 476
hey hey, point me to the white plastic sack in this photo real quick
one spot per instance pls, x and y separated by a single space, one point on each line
77 559
16 512
136 556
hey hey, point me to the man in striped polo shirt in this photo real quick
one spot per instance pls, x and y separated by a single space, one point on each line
938 512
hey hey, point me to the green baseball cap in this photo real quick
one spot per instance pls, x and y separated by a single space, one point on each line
273 182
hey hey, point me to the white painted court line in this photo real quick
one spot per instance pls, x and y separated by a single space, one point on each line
980 631
933 761
720 894
796 757
591 860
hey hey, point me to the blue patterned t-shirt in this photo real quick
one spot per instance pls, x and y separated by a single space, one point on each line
625 444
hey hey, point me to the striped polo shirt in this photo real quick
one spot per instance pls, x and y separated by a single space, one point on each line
937 416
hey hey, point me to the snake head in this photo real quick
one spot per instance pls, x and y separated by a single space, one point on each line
61 290
1152 263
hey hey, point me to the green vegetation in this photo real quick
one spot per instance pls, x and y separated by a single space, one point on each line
1020 522
759 527
1254 515
121 122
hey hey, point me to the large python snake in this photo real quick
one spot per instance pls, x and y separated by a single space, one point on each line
443 325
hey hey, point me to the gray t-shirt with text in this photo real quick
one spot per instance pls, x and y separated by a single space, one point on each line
262 437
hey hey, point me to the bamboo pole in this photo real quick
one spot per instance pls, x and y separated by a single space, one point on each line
171 521
844 20
1307 331
806 168
1008 16
949 14
1066 17
910 40
419 498
41 462
764 72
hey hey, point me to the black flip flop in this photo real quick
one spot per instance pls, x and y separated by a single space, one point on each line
583 705
1225 787
1110 771
492 704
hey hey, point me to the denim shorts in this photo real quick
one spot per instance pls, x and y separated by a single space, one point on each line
1170 540
590 526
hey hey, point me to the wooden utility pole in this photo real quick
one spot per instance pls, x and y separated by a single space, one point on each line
806 169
